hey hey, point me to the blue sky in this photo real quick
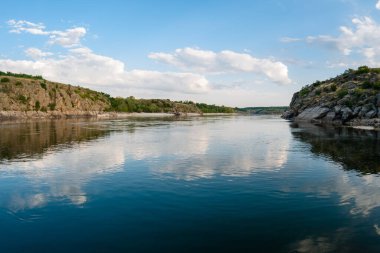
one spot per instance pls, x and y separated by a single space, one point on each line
237 53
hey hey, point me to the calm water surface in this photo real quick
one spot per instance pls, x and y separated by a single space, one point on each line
224 184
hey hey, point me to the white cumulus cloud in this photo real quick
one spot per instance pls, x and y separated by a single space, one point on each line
378 5
82 66
79 65
226 61
362 38
67 38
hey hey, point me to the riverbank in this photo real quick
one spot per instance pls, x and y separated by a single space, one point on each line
25 115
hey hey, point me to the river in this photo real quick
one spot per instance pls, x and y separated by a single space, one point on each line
198 184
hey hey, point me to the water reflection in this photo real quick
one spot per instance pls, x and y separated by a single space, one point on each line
62 175
32 139
57 158
61 157
245 179
235 147
338 241
355 149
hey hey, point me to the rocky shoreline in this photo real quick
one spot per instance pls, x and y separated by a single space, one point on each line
335 116
351 99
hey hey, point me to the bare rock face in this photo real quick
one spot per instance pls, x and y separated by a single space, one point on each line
378 100
311 113
350 98
346 114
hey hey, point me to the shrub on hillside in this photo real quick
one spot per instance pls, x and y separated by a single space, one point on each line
304 91
52 106
363 70
358 92
342 92
37 105
376 86
22 98
43 85
370 85
316 83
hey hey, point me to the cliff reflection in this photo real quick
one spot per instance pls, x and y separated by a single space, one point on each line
355 149
32 139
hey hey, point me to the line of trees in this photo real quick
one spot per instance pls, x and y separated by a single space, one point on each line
131 104
206 108
20 75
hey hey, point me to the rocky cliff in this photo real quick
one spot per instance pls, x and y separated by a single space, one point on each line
35 95
352 98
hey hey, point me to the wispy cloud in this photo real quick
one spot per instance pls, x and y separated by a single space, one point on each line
36 53
67 38
289 39
19 26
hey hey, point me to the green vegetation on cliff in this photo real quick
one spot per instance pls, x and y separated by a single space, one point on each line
20 75
22 92
353 95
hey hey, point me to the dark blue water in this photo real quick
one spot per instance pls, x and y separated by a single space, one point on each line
223 184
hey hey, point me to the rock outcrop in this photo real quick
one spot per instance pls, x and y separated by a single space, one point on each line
352 98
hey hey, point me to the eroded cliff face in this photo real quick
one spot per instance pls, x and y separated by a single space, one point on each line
352 98
38 95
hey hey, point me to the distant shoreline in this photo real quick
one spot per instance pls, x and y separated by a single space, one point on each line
33 115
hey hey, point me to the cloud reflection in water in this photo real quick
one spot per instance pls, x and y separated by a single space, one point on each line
63 174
